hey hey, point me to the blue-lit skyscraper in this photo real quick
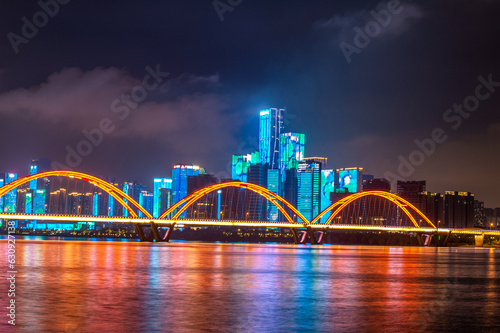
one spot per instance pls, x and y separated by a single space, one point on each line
309 183
38 166
146 200
271 125
10 198
180 174
273 185
159 184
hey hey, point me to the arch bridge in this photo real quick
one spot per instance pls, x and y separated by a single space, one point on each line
301 229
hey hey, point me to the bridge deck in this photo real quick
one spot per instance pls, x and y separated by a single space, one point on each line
230 223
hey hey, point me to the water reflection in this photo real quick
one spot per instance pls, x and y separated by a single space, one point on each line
73 286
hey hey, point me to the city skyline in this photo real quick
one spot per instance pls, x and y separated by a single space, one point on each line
367 108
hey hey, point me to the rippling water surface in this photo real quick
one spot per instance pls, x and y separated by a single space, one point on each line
97 286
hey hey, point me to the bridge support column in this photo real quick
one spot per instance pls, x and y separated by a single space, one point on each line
300 236
424 239
156 233
479 240
142 235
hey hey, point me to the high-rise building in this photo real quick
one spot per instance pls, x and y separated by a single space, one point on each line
146 200
271 125
9 201
479 215
411 191
256 208
434 207
206 206
292 150
133 190
376 184
180 174
38 166
290 189
309 189
273 185
459 210
158 185
327 188
240 165
350 180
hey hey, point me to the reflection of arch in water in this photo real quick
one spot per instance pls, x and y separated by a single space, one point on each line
404 205
117 194
183 204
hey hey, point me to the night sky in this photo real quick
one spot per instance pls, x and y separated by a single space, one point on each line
69 77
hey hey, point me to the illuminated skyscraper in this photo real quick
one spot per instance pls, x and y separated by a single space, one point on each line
350 180
271 125
309 192
38 166
240 165
9 200
133 190
273 185
327 188
292 150
159 184
180 174
146 200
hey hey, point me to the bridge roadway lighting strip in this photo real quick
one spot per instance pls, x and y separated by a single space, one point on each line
64 218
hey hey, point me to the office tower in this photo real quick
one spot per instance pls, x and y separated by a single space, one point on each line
180 174
327 188
434 207
146 200
410 191
290 189
38 166
206 206
459 209
133 190
350 180
479 215
271 125
273 185
292 150
309 189
321 160
256 208
9 201
240 165
376 184
160 185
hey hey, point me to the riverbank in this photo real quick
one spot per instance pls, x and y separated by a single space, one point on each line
253 236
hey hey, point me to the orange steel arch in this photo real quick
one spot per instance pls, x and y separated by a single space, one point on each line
270 196
400 202
105 186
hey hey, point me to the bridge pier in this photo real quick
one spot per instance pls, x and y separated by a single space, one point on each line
479 240
154 235
300 236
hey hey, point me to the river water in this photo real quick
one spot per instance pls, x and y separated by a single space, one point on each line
115 286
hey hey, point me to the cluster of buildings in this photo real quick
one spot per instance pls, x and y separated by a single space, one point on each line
280 165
